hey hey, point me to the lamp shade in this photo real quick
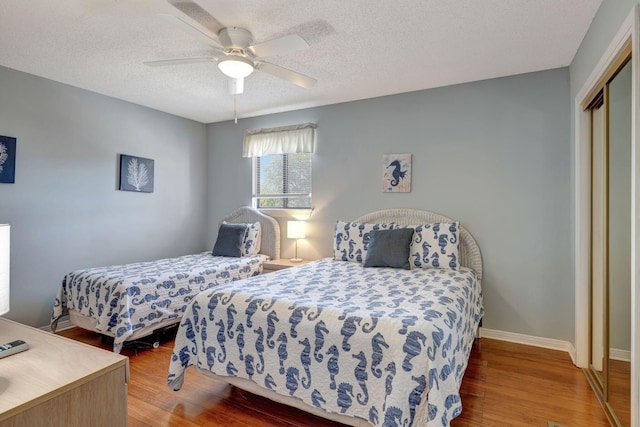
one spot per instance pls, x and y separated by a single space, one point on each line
236 67
296 230
4 268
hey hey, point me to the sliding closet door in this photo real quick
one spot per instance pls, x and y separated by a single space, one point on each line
619 245
610 303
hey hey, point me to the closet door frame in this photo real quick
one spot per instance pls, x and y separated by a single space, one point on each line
628 33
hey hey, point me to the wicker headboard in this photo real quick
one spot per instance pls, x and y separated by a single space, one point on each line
270 240
469 251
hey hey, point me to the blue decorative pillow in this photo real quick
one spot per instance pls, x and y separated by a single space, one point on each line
351 240
229 241
435 246
389 248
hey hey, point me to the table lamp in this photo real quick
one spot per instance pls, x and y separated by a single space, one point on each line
296 230
13 347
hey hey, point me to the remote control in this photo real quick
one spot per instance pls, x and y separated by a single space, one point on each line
13 347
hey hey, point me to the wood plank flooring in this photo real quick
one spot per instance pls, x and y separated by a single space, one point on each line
505 385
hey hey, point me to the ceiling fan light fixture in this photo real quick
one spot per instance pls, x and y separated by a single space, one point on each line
236 67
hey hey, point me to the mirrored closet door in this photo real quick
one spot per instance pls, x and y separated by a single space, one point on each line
609 369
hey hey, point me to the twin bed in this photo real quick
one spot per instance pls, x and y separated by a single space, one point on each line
343 337
129 302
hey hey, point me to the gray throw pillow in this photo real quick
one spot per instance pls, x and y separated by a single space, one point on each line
229 241
389 248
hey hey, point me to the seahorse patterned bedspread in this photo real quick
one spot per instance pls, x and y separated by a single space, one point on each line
386 345
125 298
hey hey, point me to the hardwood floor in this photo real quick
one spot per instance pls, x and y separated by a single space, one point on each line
505 385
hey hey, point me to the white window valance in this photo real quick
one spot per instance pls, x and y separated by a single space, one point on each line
280 140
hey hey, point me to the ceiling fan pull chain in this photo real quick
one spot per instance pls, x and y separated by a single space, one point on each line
235 111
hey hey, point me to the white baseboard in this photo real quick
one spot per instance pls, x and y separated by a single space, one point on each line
621 355
63 324
549 343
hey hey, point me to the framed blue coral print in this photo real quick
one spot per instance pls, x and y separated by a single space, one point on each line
136 174
7 159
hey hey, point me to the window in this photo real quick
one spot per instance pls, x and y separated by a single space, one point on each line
282 181
281 172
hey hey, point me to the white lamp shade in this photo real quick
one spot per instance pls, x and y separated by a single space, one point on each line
236 67
296 230
4 268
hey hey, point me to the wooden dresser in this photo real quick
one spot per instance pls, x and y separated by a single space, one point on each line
60 382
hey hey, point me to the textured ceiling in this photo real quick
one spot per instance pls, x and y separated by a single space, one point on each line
359 48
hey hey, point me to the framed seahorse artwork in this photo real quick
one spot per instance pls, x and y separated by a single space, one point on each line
396 173
7 160
136 174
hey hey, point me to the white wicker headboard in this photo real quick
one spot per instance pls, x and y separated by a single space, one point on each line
270 240
470 255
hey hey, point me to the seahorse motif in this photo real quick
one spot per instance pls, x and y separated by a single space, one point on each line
451 318
443 241
345 393
412 348
348 330
231 369
305 359
373 415
272 318
295 319
240 339
388 382
406 322
453 262
434 260
436 229
377 343
317 399
213 303
260 349
437 337
332 365
448 369
320 329
453 229
282 351
360 373
416 396
252 307
221 340
425 251
393 417
211 356
231 311
293 376
269 382
249 366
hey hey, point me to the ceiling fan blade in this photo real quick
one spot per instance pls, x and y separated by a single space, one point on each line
286 74
164 62
200 35
279 46
194 11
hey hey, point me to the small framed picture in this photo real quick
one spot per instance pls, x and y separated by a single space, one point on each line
7 160
396 173
136 174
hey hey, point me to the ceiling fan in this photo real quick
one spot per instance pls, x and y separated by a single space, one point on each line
236 54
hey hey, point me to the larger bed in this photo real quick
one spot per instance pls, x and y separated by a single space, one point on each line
358 345
128 302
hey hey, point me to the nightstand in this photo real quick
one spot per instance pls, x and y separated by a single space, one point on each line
60 382
280 264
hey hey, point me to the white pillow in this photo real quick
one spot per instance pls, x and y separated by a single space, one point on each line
435 246
351 240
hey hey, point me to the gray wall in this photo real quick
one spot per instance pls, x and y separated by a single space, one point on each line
493 154
64 209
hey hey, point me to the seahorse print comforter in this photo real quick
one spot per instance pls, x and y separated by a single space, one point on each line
125 298
386 345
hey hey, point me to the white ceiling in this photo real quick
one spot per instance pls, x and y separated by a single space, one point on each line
359 48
